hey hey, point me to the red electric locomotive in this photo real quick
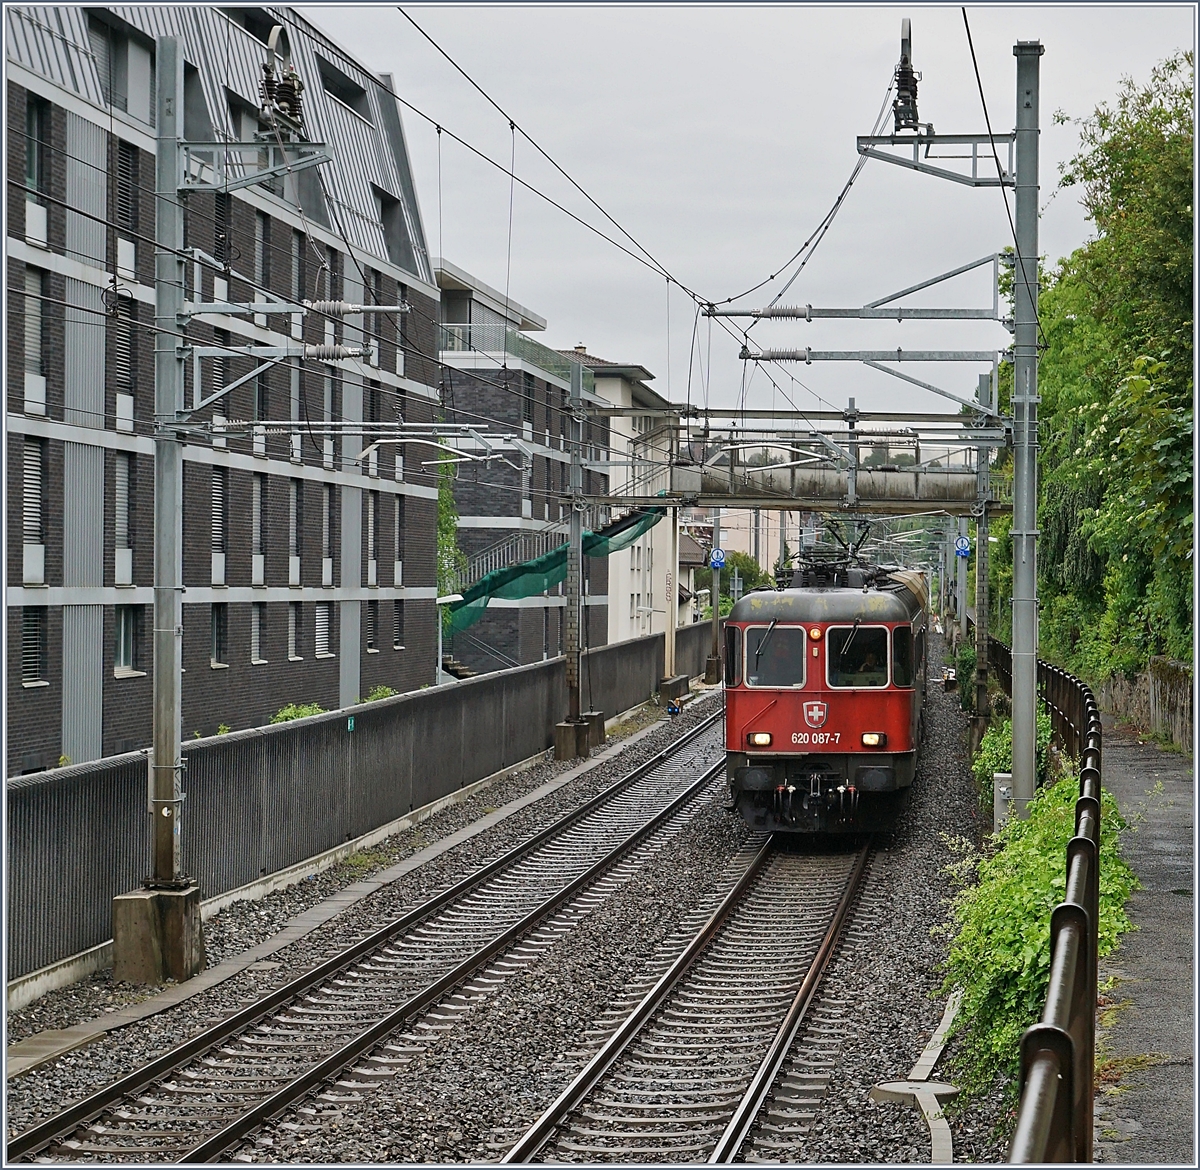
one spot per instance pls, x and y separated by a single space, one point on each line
824 691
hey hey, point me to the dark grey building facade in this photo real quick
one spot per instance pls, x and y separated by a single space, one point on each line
309 572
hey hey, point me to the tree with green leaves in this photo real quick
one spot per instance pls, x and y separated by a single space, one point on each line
451 560
1115 563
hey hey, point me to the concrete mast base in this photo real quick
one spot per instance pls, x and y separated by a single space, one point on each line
157 935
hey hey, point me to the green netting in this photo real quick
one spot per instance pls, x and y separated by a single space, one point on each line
530 578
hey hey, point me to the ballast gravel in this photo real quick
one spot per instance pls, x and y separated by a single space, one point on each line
476 1085
47 1089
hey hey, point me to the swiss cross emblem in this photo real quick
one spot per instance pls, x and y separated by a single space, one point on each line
814 714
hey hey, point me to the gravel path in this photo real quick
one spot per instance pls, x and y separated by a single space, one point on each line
47 1089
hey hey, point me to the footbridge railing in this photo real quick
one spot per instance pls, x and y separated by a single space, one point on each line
1055 1116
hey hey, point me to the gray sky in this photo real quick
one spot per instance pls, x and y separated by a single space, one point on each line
719 137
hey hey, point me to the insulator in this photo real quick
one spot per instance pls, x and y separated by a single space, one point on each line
905 106
331 308
329 353
268 87
288 94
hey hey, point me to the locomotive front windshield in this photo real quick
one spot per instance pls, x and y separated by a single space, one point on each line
857 656
775 655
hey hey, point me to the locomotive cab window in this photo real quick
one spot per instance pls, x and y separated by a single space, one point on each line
733 656
775 656
857 656
902 656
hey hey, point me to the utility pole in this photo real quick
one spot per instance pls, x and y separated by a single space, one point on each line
962 584
672 599
157 933
982 621
571 736
1025 444
712 668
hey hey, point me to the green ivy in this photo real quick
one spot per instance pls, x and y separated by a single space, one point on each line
995 751
297 711
999 957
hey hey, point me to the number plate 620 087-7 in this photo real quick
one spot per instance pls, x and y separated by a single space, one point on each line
816 737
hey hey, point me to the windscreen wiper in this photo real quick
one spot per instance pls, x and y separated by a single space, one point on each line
846 648
763 644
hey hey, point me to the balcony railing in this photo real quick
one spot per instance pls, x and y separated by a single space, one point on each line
496 340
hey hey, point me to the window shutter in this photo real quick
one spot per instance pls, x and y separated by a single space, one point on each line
322 628
34 474
218 510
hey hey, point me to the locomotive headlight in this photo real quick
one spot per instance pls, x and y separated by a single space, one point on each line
874 739
760 739
815 633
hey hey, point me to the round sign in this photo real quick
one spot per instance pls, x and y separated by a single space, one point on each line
963 545
716 558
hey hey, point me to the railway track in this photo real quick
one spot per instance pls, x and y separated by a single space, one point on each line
688 1072
330 1027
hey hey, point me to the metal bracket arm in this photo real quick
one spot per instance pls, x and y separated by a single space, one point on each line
312 154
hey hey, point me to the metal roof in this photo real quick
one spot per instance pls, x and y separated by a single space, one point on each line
896 604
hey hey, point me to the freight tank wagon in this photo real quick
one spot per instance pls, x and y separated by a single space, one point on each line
825 689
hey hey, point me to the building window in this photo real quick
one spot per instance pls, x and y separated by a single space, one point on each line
295 630
295 507
34 338
262 250
398 533
326 521
37 126
298 289
372 626
527 398
321 630
258 631
397 625
220 635
126 639
262 398
222 215
258 515
34 654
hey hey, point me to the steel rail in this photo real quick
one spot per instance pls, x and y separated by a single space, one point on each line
743 1118
538 1133
38 1136
270 1106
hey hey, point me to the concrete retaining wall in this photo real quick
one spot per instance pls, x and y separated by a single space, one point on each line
261 800
1158 700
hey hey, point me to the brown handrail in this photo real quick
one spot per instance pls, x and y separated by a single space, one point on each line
1055 1116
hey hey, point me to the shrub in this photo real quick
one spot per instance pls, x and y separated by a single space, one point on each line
297 711
1000 954
382 691
995 751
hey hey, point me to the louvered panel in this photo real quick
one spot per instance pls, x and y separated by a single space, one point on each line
82 682
33 509
121 501
322 628
83 355
86 180
127 186
83 515
219 509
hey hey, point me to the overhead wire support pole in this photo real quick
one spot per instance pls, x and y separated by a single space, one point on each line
1025 442
570 742
157 932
